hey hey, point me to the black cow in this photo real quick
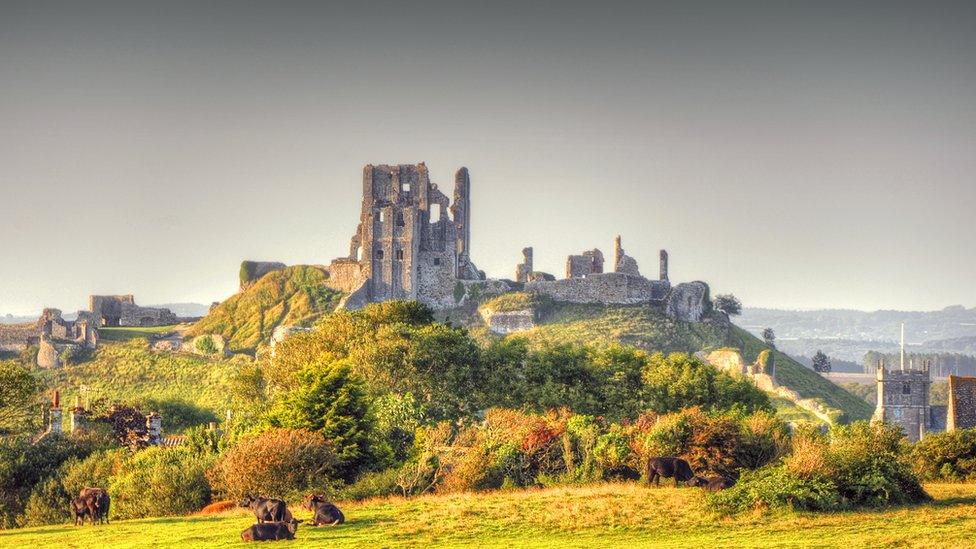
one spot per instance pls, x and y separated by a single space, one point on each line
271 531
79 510
98 503
712 484
668 467
324 512
265 509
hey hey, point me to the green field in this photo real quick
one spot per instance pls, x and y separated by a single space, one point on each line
607 515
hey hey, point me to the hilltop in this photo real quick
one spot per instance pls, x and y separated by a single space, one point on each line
605 515
293 296
648 328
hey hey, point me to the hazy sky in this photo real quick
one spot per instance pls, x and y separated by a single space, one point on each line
798 155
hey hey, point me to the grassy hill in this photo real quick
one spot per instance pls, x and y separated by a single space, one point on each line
606 515
648 328
129 372
293 296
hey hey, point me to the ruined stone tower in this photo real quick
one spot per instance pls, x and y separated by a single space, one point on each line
406 245
903 399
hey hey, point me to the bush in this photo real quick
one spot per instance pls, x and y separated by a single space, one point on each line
206 345
49 502
160 481
177 415
949 456
371 485
280 462
860 465
24 465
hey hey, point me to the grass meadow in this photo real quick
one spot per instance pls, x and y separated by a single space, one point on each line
606 515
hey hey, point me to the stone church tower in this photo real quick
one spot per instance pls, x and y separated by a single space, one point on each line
903 399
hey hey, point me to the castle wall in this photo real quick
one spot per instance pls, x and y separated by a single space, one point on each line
610 288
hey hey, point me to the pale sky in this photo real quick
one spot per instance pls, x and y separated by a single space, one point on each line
796 155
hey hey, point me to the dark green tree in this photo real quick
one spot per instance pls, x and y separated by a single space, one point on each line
728 304
330 400
18 395
821 363
769 337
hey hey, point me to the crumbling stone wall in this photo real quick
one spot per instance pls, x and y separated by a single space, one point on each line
623 263
608 288
121 310
689 302
961 412
51 327
587 263
524 269
407 246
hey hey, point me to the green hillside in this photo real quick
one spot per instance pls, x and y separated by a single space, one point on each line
649 329
293 296
603 515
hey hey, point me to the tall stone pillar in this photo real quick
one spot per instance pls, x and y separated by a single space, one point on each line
664 265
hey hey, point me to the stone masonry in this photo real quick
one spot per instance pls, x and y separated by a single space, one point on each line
903 399
962 403
121 310
412 242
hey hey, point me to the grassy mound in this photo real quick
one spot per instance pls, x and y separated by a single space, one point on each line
292 296
648 328
606 515
130 372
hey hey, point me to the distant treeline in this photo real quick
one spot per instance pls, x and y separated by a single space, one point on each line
941 364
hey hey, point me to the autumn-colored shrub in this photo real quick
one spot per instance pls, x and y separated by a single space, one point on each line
949 456
278 462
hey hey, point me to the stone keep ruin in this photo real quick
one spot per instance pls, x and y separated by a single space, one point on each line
121 310
406 245
413 242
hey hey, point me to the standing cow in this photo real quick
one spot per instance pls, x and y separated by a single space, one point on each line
668 467
79 510
324 511
98 502
266 509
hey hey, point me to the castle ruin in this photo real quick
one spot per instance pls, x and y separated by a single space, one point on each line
407 246
121 310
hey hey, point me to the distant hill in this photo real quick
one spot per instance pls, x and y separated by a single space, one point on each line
294 296
648 328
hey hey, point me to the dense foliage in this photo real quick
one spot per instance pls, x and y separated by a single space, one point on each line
18 393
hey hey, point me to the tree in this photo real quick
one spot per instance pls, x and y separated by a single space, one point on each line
330 401
728 304
769 336
821 363
18 395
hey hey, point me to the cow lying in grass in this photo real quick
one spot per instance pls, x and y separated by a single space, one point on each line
271 531
668 467
712 484
266 509
323 511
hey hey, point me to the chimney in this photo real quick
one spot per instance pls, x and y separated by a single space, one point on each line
77 416
55 417
154 429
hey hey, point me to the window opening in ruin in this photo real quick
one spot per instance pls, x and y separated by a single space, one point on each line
399 220
435 213
405 187
379 254
437 261
359 253
399 254
906 389
382 216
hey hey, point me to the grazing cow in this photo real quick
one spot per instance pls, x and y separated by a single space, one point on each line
324 511
98 503
271 531
712 484
265 509
668 467
79 510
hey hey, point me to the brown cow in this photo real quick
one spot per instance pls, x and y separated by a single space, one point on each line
98 502
79 510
